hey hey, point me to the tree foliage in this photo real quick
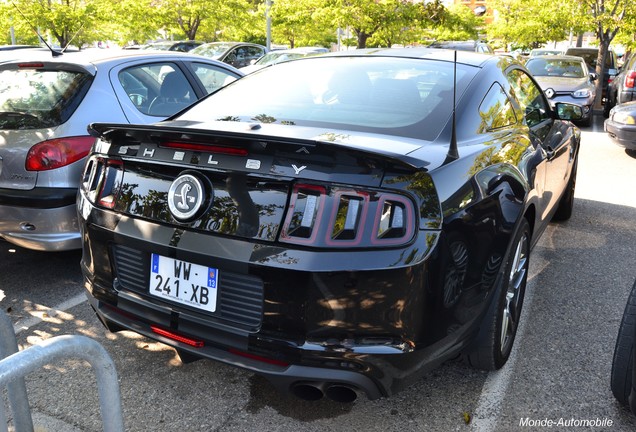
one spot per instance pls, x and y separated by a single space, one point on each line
386 21
520 23
302 23
531 23
607 17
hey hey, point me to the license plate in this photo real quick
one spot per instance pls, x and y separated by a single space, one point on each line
183 282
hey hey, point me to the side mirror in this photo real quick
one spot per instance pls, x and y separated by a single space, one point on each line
593 76
568 111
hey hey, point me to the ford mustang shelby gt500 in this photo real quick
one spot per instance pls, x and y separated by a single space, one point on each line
339 224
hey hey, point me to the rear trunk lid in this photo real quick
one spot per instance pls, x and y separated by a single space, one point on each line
251 179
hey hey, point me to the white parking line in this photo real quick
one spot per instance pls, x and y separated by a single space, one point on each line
43 314
494 390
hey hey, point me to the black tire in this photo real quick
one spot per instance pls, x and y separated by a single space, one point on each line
623 361
608 105
493 344
588 121
566 204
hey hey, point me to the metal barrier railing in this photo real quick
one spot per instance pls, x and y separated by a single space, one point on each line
14 365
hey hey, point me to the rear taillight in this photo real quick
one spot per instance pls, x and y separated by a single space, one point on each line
102 181
630 79
341 217
57 153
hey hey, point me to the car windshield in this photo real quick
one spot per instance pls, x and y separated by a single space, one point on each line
556 67
396 96
35 98
214 49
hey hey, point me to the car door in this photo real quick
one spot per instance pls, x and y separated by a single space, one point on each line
549 136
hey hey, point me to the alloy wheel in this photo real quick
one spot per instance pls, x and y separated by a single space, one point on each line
514 295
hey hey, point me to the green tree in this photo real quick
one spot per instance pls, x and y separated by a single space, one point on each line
458 22
136 21
64 20
10 19
607 17
302 23
367 18
531 23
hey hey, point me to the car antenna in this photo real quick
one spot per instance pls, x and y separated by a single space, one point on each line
453 153
71 39
53 52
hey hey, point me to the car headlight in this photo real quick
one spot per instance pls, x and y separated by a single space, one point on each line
583 93
622 117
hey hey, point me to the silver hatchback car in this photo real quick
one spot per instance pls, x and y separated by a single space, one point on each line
47 102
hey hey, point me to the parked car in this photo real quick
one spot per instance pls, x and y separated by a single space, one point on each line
340 224
181 46
469 45
621 125
237 54
565 79
621 88
46 103
278 56
17 47
544 51
622 381
590 55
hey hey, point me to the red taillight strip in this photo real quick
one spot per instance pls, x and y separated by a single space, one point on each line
57 152
114 169
630 79
177 337
30 65
258 358
234 151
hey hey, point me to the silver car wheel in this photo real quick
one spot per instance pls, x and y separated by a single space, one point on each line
514 294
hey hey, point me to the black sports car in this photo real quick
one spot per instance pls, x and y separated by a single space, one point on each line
339 224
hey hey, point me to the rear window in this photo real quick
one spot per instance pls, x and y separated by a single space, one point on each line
36 98
557 67
395 96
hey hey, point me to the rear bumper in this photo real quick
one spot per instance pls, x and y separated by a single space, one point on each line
622 134
320 328
40 227
285 377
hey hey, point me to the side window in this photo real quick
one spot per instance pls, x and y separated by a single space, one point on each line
496 110
211 77
157 89
254 53
529 96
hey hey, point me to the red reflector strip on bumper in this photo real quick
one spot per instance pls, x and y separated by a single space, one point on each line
176 337
258 358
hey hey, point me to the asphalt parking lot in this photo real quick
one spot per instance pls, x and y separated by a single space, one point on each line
581 274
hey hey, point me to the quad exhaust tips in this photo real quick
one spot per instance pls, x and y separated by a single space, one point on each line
313 391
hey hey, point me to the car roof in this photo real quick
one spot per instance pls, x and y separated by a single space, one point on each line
301 50
232 43
17 47
91 59
466 57
558 57
94 56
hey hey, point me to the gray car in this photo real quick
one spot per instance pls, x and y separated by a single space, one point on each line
237 54
623 87
46 104
565 79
